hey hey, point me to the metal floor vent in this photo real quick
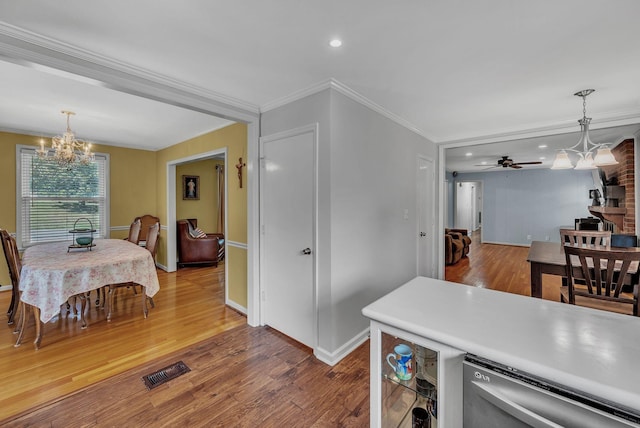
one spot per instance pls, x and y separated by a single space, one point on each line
165 375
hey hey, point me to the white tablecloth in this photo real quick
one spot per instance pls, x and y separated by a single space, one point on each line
50 274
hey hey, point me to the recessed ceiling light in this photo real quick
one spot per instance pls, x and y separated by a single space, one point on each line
542 158
542 146
483 162
468 154
335 43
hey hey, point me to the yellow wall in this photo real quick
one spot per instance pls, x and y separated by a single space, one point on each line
234 138
138 186
204 209
132 184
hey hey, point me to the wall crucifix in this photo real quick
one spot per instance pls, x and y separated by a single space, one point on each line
239 165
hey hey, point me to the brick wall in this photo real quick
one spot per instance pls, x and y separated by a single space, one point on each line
625 174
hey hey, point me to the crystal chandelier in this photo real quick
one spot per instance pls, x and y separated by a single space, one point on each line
586 160
67 150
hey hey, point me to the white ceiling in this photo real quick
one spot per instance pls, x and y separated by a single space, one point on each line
460 72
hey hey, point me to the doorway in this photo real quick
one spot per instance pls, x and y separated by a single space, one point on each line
468 209
219 154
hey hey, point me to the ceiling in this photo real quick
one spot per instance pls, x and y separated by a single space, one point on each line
456 72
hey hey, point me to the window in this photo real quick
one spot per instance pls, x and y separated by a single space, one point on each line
51 198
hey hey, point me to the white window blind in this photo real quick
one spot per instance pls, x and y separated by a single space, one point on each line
53 198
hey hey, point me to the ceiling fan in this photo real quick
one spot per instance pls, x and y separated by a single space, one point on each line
505 162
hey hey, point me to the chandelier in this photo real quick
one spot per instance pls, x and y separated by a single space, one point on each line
586 158
67 151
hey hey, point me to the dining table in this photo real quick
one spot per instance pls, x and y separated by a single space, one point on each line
53 272
547 257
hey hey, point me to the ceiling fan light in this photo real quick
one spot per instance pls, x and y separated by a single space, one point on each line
604 157
585 162
562 161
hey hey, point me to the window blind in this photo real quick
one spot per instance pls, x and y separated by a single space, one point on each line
54 199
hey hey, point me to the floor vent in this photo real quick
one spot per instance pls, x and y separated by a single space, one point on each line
165 375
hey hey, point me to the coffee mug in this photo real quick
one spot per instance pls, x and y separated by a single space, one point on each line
402 357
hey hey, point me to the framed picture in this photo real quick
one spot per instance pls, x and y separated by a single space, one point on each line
191 187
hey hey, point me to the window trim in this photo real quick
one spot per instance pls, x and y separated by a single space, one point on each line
107 202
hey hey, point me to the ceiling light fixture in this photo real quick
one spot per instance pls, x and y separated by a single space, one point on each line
586 159
335 43
67 150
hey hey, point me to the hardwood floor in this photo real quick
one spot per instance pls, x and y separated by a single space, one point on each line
240 376
189 308
500 267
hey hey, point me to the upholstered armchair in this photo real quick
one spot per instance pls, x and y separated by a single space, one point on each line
206 249
464 236
453 247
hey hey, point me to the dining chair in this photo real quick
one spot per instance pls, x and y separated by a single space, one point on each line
15 266
134 231
585 237
151 246
146 221
15 292
604 273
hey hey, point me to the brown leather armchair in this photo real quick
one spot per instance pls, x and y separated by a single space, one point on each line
464 236
453 247
205 250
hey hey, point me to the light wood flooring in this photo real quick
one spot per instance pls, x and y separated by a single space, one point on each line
189 308
239 375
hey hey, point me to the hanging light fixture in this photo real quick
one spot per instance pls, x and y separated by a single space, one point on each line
67 150
587 160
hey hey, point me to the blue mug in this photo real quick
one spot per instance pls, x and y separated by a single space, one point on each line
402 356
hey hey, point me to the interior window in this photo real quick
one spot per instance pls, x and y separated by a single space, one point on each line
52 198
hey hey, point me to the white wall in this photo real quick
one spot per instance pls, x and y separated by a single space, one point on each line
367 178
535 202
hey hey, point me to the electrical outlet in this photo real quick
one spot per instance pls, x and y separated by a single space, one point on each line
529 237
546 238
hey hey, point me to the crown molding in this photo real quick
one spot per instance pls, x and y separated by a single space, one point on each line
30 49
349 93
605 121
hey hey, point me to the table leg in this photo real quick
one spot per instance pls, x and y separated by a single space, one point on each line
536 280
38 323
22 320
143 293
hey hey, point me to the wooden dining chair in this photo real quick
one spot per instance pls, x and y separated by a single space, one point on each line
604 273
585 238
151 246
134 231
15 266
15 292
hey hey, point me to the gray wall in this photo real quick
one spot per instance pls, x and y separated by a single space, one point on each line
535 202
366 179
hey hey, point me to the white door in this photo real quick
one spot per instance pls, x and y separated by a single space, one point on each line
426 217
288 244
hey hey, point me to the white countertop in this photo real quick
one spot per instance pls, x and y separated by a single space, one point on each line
594 351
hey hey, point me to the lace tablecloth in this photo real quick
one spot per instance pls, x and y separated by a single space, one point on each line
50 274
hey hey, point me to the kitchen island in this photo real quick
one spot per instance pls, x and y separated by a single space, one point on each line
589 350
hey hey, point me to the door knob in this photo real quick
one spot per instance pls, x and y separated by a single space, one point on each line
423 234
306 251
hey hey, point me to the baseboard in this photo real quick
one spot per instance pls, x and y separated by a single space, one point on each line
235 306
5 287
333 358
506 243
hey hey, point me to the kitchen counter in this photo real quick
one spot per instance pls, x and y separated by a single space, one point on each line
590 350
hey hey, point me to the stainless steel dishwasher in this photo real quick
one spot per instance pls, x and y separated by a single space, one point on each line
498 396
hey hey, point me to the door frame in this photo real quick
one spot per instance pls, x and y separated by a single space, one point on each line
171 211
313 129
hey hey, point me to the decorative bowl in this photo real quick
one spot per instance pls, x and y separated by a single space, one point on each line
84 240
